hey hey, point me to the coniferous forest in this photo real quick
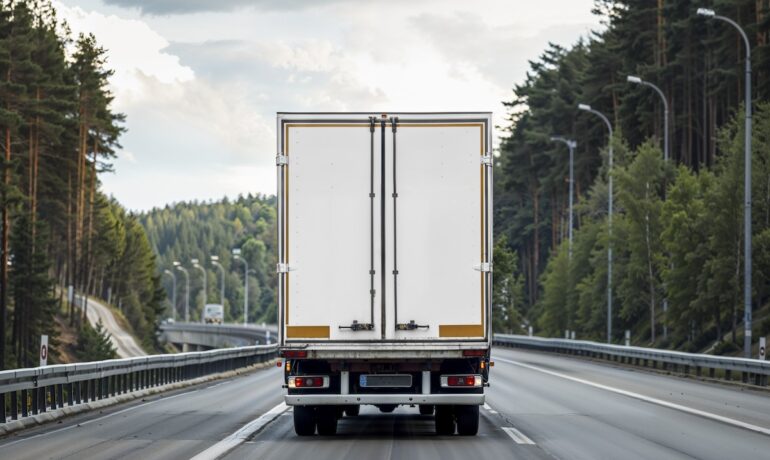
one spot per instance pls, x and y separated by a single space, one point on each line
58 133
186 231
677 231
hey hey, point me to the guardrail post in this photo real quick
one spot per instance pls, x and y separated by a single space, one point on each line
712 372
745 377
2 408
698 371
35 401
24 403
14 406
728 374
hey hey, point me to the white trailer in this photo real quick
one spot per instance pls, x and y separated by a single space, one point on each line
384 264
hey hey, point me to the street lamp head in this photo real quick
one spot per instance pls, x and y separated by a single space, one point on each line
633 79
168 272
215 258
194 261
176 264
584 107
236 251
707 12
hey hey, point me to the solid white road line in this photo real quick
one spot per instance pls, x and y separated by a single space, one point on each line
239 437
649 399
517 436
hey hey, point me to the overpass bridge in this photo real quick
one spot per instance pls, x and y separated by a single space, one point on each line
199 336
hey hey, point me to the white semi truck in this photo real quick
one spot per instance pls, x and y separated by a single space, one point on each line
385 265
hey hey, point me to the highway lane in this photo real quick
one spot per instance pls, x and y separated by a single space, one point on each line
563 418
539 406
174 425
574 420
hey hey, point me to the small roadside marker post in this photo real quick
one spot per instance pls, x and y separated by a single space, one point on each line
628 338
43 350
762 348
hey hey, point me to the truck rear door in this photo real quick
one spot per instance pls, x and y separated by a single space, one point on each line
384 227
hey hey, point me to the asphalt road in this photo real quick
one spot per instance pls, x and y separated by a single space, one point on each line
539 406
124 342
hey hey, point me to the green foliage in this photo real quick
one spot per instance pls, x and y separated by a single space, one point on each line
508 290
186 231
58 132
94 344
680 240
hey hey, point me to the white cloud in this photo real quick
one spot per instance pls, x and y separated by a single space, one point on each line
200 91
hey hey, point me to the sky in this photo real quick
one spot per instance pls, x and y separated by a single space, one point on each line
200 81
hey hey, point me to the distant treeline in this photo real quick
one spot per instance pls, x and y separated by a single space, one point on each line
699 65
58 132
199 230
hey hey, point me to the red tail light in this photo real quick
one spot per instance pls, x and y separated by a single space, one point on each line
313 381
461 381
474 352
294 354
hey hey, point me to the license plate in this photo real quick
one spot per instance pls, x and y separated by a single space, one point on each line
385 380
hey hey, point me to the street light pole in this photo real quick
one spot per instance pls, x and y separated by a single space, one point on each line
588 108
173 292
746 183
636 80
215 262
205 285
639 81
571 145
186 291
237 256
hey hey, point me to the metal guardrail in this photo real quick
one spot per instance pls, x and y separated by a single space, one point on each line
25 392
752 370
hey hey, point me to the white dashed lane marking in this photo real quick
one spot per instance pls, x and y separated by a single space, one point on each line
517 436
489 409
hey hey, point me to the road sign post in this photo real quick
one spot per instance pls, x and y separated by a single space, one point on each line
43 350
762 348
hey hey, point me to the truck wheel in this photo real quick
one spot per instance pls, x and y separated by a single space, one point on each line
467 420
326 419
426 409
352 411
304 420
445 421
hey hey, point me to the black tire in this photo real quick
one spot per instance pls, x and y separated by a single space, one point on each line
326 420
426 409
352 411
467 420
387 408
304 420
445 421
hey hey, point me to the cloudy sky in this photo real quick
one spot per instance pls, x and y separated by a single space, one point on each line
200 80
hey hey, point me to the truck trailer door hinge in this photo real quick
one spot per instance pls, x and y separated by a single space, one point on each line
281 160
284 268
486 159
483 267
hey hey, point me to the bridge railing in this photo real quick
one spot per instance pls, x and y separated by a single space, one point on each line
752 371
27 392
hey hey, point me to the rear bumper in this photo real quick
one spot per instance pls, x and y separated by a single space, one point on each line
321 400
